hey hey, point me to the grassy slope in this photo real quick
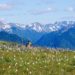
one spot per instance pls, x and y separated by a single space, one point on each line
36 61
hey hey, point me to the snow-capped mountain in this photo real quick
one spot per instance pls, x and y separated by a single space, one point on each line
23 31
64 38
37 26
35 31
51 27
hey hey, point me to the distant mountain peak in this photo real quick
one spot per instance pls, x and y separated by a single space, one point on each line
38 27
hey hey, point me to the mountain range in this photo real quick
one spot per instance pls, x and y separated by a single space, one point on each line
58 39
57 35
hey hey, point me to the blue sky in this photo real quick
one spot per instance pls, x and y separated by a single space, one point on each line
43 11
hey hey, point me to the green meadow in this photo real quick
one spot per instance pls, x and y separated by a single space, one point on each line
18 60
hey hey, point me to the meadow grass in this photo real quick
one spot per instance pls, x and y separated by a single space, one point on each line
36 61
13 62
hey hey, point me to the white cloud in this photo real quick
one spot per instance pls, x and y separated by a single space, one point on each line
42 11
46 1
71 9
2 19
49 9
5 6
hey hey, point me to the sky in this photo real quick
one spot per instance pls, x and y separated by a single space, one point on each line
30 11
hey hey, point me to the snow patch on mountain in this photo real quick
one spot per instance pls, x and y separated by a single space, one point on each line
37 26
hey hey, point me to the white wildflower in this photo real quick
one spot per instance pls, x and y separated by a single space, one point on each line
9 66
16 63
74 57
27 69
30 72
16 70
59 63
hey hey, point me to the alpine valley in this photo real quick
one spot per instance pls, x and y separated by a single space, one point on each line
56 35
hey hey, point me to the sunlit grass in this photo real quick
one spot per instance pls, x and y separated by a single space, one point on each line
36 61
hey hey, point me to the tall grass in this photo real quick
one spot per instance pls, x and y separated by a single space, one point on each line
36 61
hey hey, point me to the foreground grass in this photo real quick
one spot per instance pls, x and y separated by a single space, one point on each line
37 62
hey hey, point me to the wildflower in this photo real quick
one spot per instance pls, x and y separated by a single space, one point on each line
16 70
36 62
33 53
28 63
3 68
74 66
27 69
67 59
14 59
74 57
2 57
14 56
64 64
9 66
36 58
59 63
15 63
45 66
20 64
65 56
20 58
33 63
7 50
30 72
45 54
